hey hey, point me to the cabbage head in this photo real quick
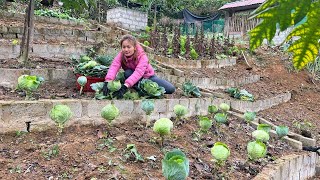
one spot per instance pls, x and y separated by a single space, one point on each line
224 107
175 165
205 123
151 89
256 150
220 151
110 112
249 116
147 106
60 114
221 118
282 131
213 109
114 86
163 126
265 127
180 110
90 64
29 83
261 135
82 80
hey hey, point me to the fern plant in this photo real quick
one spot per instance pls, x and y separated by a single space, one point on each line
303 16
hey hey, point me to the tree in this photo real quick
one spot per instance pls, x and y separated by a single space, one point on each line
303 16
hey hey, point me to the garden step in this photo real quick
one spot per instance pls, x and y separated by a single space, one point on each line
209 63
211 83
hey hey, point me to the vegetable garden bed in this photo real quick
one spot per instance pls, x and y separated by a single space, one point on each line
85 152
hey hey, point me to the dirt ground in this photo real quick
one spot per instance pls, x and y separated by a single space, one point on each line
86 152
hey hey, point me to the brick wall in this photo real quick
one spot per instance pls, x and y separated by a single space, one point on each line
127 18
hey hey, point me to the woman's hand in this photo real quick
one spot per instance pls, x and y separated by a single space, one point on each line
119 94
105 89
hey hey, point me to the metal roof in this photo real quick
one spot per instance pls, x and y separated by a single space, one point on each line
241 4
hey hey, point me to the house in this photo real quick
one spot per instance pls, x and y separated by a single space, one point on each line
236 17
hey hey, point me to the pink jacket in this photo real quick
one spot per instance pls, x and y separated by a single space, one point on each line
141 67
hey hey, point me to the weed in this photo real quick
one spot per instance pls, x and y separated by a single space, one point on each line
54 152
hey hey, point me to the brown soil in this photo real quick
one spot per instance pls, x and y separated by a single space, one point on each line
36 63
85 154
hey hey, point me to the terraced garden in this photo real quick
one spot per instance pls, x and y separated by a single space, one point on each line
90 148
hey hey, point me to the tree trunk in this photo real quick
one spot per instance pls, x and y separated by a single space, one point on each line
30 28
155 17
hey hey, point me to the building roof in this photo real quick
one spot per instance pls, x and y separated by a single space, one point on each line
242 3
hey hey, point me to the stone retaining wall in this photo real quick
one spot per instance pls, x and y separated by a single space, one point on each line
179 63
44 50
295 167
211 83
128 18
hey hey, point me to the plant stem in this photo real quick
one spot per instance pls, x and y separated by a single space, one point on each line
81 90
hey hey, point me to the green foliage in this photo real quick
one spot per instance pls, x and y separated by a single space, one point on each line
131 151
224 107
220 152
305 125
302 15
175 165
82 81
261 135
163 126
249 116
213 109
256 150
105 60
55 13
243 94
54 152
205 123
282 131
194 55
110 112
60 114
221 118
147 106
129 95
180 110
183 40
190 90
314 69
29 84
265 127
146 43
114 86
150 89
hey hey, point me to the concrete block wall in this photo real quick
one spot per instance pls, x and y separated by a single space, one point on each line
291 167
128 18
179 63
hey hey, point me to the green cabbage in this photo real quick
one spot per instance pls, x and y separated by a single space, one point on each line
256 150
220 151
249 116
224 107
261 135
205 123
60 114
265 127
29 84
282 131
90 64
82 80
109 112
147 106
163 126
180 110
114 86
150 89
213 109
85 59
221 118
175 165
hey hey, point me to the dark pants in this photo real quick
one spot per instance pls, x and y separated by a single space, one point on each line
161 82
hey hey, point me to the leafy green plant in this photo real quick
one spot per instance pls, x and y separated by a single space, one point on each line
148 107
163 126
193 54
132 152
175 165
113 86
82 81
249 116
106 143
29 84
224 107
180 111
261 135
97 87
213 109
183 40
302 15
282 131
220 152
110 112
304 128
146 43
221 118
60 114
129 95
54 152
150 89
256 150
265 127
190 90
243 94
205 123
